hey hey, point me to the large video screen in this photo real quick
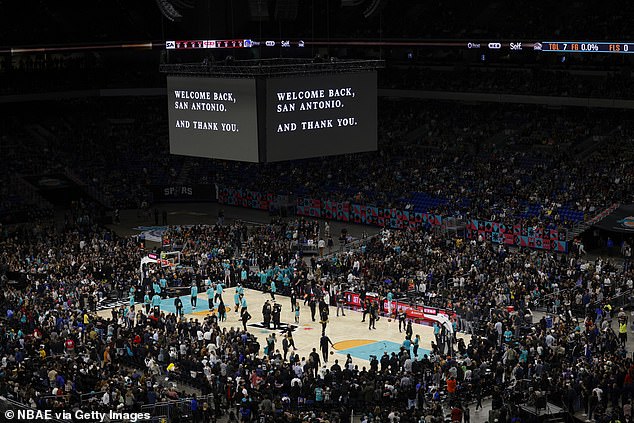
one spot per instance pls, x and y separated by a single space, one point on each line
323 115
213 117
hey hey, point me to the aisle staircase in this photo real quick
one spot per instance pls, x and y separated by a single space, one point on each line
88 189
585 149
583 226
183 176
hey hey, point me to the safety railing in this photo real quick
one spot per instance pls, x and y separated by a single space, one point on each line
168 409
15 410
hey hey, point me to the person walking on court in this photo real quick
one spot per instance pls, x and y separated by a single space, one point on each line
416 344
285 346
210 297
409 331
178 304
222 311
273 290
340 300
478 392
402 318
275 314
289 336
194 294
313 308
219 291
323 344
236 299
147 301
244 316
366 309
373 313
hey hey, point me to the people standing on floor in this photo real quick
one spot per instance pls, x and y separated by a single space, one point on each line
147 301
277 311
222 311
178 305
273 289
366 309
210 297
270 344
218 294
341 299
289 336
315 361
436 328
324 342
227 271
132 292
409 331
321 244
156 302
243 303
373 314
313 307
402 317
293 299
245 317
478 394
416 344
236 299
194 295
285 346
266 314
324 311
466 413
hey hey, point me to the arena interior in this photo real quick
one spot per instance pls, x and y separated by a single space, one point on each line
365 211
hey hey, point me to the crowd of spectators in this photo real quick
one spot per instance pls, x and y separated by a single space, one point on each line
81 326
57 352
118 148
437 152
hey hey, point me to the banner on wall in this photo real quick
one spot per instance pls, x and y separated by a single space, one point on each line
245 198
310 207
392 218
521 236
336 210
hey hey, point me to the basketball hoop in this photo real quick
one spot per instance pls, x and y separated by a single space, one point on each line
166 262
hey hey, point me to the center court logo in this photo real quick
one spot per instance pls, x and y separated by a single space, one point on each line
627 222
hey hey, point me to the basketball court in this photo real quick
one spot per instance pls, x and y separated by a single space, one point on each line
348 334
